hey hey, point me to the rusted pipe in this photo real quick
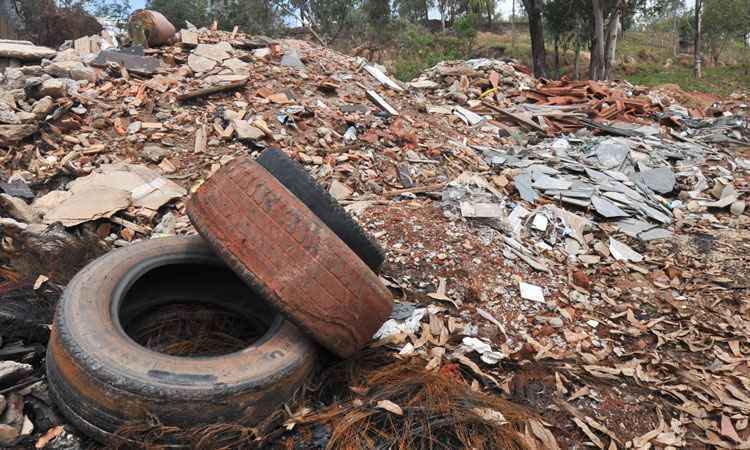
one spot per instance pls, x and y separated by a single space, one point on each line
150 28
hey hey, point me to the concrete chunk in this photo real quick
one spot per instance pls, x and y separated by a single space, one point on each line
24 52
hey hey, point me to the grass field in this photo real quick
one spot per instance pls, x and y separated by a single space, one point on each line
650 52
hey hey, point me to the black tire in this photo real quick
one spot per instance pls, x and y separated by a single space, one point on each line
101 378
295 178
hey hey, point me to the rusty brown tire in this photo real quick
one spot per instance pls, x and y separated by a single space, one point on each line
295 178
101 378
283 250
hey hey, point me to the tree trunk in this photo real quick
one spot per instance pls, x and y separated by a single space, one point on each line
613 31
489 14
675 29
698 71
441 7
513 26
536 30
557 57
596 67
9 10
577 64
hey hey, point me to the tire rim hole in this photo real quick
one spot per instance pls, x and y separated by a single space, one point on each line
172 322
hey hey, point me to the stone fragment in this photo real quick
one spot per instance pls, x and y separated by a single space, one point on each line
54 88
24 52
154 153
245 131
42 107
7 115
11 372
200 64
216 52
18 209
10 134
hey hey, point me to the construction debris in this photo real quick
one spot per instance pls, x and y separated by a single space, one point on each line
548 240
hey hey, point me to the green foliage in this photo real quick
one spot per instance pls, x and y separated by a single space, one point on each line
377 12
724 21
465 28
179 11
252 16
113 9
715 80
414 11
419 49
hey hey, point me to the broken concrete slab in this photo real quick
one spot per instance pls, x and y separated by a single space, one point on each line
531 292
8 116
11 134
339 190
481 210
42 107
622 252
137 64
246 131
189 38
200 64
660 180
21 50
215 52
154 153
606 208
611 153
74 70
54 87
292 59
17 188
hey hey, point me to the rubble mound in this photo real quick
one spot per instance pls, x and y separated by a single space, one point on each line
595 231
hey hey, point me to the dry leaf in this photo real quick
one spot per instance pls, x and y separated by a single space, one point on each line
490 415
587 431
543 434
440 294
727 429
390 407
40 280
49 435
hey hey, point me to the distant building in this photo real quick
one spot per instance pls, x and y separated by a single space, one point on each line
11 24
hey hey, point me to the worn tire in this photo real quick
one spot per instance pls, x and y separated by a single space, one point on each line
295 178
100 378
282 249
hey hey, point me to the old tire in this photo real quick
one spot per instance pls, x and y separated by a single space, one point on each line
282 249
100 378
295 178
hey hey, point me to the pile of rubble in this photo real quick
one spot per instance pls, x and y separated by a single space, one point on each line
572 246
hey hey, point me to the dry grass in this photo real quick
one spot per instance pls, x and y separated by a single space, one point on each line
440 411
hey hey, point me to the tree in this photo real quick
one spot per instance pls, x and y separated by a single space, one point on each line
180 11
415 11
377 12
252 16
113 9
724 21
698 72
534 9
610 18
